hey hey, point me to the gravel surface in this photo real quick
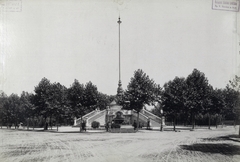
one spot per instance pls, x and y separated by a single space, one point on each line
219 145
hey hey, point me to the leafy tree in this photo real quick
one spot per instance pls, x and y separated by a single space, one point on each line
233 98
157 110
173 98
75 95
232 103
58 101
214 104
12 110
27 107
140 91
102 100
42 98
235 83
90 97
158 101
3 99
196 94
75 98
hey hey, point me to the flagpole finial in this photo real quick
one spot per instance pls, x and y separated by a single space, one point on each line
119 21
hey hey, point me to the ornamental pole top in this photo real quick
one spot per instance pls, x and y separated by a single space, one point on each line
119 21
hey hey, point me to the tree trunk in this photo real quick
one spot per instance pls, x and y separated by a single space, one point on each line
137 120
216 121
46 124
209 121
27 123
33 123
234 122
222 120
161 127
7 123
51 121
174 123
57 124
14 124
193 120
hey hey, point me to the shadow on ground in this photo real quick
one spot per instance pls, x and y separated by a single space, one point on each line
234 138
225 149
222 148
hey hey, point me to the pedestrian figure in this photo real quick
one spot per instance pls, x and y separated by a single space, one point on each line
84 125
46 125
107 126
135 125
148 124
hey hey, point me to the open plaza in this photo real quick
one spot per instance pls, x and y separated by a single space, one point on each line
131 81
68 144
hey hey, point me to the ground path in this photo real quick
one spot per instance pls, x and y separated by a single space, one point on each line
145 146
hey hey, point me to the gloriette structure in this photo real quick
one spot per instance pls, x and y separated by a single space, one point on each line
114 112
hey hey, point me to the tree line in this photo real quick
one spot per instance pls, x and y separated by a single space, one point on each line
51 101
181 99
184 99
193 97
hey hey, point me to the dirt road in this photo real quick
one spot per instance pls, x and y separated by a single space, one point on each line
144 146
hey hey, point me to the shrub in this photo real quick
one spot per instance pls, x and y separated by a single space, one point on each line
115 125
95 124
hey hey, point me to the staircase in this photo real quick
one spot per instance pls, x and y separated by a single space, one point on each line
151 115
154 124
144 115
99 117
85 117
95 115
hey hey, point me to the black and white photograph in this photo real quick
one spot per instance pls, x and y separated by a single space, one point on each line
119 81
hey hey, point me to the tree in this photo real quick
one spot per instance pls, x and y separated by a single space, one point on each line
42 99
173 98
12 110
214 104
27 107
196 93
102 100
233 99
75 98
232 103
235 83
3 99
158 107
140 91
58 100
90 97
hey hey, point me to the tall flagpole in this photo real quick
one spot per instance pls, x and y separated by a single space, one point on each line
119 90
119 22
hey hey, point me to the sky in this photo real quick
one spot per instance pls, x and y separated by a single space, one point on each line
64 40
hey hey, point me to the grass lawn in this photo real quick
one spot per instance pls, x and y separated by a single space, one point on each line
219 145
